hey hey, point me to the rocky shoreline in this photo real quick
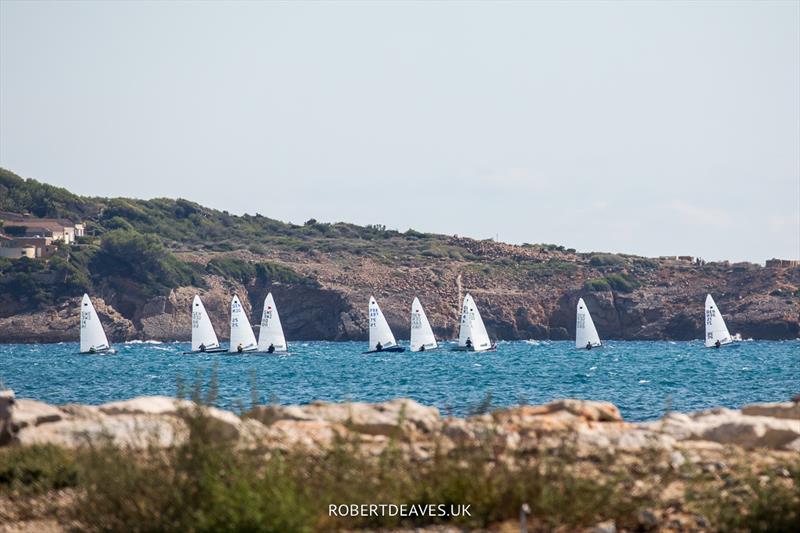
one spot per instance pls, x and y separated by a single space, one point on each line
522 294
713 444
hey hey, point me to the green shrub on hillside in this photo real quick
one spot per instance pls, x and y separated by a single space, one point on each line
265 273
622 282
606 260
140 258
597 285
617 282
20 195
38 282
269 273
232 268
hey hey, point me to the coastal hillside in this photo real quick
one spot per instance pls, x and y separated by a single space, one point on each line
143 260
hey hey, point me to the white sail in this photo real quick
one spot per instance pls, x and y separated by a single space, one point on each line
271 330
716 330
93 338
585 332
202 330
241 332
472 327
421 332
379 331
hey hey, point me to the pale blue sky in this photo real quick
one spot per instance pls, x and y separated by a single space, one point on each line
649 128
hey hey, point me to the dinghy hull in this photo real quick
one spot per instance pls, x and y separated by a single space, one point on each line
213 350
492 348
395 349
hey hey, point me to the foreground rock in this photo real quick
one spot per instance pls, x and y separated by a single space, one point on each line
668 464
587 426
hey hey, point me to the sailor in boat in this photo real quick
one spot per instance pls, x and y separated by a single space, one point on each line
271 348
379 347
589 345
92 350
422 348
240 348
202 347
468 344
717 344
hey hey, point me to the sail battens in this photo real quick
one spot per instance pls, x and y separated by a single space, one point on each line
422 337
585 332
242 337
203 335
716 330
271 332
379 330
93 338
472 333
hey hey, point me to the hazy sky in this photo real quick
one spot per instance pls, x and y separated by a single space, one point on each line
649 128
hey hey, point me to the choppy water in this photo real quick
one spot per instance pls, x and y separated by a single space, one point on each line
642 378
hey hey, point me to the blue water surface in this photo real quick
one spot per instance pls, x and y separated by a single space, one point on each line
642 378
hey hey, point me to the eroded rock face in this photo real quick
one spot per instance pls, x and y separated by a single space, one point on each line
523 293
62 324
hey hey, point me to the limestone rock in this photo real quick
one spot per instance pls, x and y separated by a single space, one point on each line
397 418
32 413
225 421
7 430
728 426
130 431
789 410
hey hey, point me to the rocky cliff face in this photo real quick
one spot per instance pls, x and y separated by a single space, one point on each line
522 293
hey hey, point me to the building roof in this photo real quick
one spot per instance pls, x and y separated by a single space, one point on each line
48 224
8 215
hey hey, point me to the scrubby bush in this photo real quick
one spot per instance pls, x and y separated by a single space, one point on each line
622 282
31 470
232 268
597 285
606 260
132 256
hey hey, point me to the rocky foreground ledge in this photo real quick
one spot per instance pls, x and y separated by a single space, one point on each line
157 421
678 470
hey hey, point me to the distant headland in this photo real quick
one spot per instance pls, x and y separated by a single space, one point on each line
145 260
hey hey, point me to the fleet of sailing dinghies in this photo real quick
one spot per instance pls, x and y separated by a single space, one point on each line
422 338
717 334
381 338
271 338
242 337
472 335
93 338
585 333
204 339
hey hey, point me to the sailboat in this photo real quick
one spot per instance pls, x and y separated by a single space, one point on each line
93 338
381 338
472 336
204 339
270 337
717 333
422 338
585 333
242 337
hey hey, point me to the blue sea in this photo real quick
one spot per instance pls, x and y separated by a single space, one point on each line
644 379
